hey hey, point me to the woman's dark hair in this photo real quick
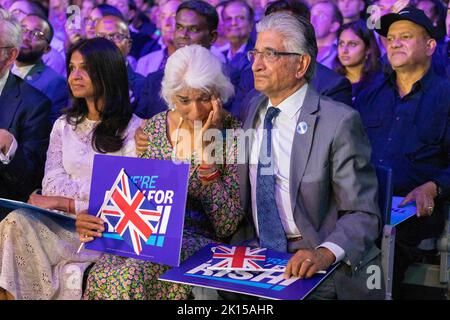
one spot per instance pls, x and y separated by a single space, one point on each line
372 62
107 70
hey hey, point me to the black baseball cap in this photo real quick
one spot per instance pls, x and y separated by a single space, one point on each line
408 13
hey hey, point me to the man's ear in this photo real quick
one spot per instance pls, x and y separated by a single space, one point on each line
47 49
12 56
303 66
431 46
335 27
213 36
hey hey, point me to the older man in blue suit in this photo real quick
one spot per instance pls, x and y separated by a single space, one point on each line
37 35
24 121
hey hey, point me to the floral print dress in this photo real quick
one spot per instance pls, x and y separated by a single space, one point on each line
213 213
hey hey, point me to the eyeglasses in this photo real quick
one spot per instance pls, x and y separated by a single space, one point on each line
114 37
36 35
269 55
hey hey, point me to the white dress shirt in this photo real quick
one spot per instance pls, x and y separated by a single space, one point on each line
21 72
283 131
6 158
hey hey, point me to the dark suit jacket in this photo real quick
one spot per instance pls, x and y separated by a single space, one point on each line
52 84
25 113
333 187
136 83
150 102
325 81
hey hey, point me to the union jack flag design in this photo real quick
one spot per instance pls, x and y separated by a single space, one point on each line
132 216
238 258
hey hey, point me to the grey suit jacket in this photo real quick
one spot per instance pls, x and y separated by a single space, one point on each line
333 186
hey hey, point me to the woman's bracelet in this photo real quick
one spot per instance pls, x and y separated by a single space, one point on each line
210 177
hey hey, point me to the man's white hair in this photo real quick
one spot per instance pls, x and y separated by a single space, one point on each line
194 67
298 35
10 30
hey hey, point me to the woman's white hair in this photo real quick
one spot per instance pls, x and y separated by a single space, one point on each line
10 30
194 67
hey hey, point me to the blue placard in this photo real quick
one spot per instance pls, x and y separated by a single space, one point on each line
164 184
269 284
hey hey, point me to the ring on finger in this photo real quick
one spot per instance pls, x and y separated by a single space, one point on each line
308 260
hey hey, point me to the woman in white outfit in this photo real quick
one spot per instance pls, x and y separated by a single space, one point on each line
38 257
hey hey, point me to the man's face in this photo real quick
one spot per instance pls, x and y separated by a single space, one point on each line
116 31
322 20
89 24
20 9
35 44
236 22
408 44
191 28
166 19
350 9
278 75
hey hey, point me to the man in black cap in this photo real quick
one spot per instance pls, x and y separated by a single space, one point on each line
407 119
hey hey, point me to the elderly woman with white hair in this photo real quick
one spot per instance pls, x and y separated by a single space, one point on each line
194 87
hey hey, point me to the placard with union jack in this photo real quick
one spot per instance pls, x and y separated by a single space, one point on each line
142 202
238 258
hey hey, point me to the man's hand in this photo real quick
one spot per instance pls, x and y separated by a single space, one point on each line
305 263
141 139
424 197
89 226
6 140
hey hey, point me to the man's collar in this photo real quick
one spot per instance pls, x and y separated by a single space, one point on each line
292 104
3 81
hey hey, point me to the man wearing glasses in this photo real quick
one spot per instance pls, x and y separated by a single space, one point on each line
307 184
24 121
116 30
37 35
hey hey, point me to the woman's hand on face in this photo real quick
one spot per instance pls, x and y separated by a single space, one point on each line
89 226
214 119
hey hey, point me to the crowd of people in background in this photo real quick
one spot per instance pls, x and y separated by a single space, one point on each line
373 80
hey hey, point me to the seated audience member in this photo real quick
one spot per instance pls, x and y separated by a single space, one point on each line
406 119
37 35
351 9
325 81
358 56
238 18
196 23
221 42
96 14
156 60
24 121
309 189
54 58
141 27
99 122
194 87
116 30
326 19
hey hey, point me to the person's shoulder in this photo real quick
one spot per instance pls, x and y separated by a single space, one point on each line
31 96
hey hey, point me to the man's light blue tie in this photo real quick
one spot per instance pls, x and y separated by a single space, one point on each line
271 231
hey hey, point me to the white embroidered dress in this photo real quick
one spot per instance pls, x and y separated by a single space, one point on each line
38 257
